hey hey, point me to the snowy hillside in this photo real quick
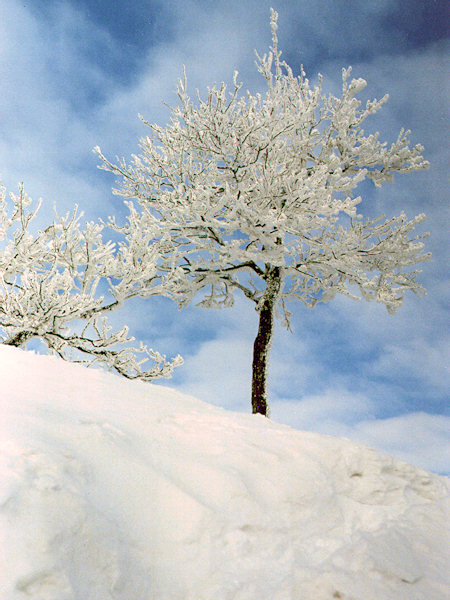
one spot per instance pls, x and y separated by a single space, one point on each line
115 490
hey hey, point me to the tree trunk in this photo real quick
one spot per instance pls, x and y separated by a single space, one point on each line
263 340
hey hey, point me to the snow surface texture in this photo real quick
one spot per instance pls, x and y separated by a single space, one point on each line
122 490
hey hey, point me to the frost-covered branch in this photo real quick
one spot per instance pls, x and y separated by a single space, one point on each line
57 285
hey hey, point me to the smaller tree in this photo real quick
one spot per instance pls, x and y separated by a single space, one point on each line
50 282
257 195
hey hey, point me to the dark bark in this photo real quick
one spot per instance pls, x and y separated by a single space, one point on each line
263 340
19 339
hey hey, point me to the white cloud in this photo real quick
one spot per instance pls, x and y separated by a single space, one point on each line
220 373
419 438
208 41
331 412
419 360
46 132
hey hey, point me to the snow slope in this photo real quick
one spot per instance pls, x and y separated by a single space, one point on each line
111 489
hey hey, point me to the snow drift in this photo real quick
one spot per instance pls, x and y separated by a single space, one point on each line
118 490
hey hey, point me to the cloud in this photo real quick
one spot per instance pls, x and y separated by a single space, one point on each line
47 85
208 41
418 360
419 438
330 412
218 348
220 373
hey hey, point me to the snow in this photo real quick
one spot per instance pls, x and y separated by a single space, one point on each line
119 490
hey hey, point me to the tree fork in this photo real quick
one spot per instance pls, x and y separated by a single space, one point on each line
263 341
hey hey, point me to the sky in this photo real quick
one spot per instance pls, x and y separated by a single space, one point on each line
75 74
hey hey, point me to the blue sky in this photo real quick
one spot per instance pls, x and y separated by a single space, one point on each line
75 74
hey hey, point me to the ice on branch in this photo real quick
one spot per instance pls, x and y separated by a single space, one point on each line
58 284
258 192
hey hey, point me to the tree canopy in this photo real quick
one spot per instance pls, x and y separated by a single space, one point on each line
257 193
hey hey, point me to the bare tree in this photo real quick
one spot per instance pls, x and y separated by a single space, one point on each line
257 194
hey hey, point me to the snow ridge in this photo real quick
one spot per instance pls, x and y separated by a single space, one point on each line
119 490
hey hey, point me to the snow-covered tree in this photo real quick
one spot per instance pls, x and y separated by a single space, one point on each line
49 288
257 193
